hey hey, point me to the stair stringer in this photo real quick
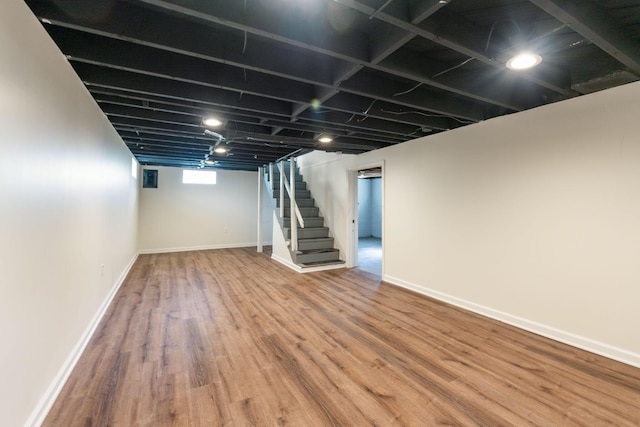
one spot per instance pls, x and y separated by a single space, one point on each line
280 247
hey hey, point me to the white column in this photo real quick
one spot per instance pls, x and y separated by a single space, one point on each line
292 197
282 190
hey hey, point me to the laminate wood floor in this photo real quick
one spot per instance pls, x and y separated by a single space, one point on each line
232 338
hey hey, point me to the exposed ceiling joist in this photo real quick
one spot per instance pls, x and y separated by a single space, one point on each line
235 15
280 30
448 31
595 24
370 73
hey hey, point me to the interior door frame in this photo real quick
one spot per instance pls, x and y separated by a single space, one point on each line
352 255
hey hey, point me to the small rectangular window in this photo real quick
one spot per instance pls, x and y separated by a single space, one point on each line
150 178
198 177
134 168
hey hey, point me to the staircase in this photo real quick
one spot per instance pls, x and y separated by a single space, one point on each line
314 246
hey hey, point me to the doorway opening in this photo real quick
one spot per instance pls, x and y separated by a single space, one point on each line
369 229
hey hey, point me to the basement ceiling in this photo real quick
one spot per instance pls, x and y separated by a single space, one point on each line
369 73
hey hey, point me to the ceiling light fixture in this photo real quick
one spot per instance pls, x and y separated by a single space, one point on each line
221 148
524 61
212 121
325 139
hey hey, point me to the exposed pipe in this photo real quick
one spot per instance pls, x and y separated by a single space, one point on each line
213 134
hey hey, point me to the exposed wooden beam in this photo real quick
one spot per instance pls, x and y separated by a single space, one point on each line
284 26
190 116
418 99
112 53
448 32
138 83
594 23
160 32
419 10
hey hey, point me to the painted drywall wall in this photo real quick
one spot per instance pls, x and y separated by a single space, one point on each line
68 215
364 207
326 175
532 217
370 207
280 247
177 216
375 189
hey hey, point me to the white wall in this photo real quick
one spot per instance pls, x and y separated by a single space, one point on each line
177 216
533 218
376 206
370 207
68 205
364 207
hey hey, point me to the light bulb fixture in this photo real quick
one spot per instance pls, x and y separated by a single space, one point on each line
221 148
524 61
210 161
325 139
212 122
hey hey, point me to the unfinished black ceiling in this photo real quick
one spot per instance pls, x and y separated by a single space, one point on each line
370 73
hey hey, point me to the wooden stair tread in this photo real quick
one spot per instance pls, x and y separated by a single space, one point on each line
320 263
317 251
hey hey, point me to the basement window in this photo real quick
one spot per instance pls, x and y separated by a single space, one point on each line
190 176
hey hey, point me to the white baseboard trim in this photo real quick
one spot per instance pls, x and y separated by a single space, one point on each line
299 269
200 248
286 263
46 402
596 347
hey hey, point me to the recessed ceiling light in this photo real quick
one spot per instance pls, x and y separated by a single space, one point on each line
325 139
212 121
209 161
220 149
524 61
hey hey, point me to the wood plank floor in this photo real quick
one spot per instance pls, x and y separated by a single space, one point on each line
231 338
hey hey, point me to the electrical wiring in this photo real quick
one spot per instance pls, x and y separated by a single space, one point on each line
244 46
452 68
400 113
365 112
410 90
434 76
493 27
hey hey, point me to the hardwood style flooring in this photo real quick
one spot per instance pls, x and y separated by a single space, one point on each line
231 338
